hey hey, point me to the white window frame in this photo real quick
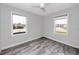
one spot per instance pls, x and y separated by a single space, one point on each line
67 24
16 13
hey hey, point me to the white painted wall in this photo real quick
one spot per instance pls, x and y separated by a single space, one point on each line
34 27
72 38
0 29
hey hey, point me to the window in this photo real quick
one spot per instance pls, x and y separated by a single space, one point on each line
18 24
60 24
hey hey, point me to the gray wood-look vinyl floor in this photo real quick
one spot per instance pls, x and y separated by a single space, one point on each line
42 46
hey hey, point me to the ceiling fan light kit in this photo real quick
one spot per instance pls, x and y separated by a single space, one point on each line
42 5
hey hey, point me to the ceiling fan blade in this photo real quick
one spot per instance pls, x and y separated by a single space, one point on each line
36 6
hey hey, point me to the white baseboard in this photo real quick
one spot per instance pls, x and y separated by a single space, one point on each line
75 46
19 43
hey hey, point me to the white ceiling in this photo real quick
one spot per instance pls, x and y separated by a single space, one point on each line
51 8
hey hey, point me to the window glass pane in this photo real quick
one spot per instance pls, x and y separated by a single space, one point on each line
61 24
19 24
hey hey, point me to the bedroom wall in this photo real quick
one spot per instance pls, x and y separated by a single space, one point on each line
0 29
72 38
34 27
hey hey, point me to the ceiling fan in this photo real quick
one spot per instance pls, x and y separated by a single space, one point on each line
42 6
